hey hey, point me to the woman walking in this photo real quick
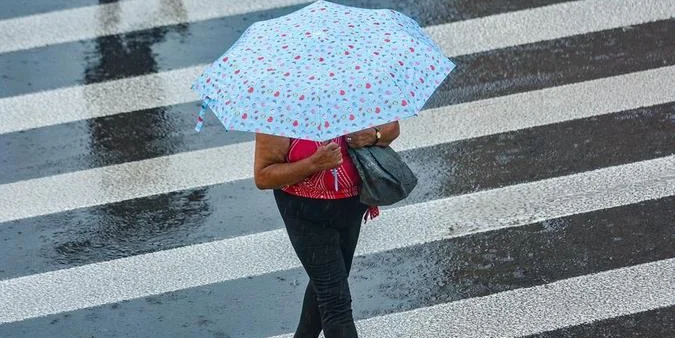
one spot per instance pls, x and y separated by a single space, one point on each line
323 224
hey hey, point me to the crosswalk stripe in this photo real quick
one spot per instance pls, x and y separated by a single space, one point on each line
525 311
120 17
41 196
76 103
90 22
546 23
218 261
172 87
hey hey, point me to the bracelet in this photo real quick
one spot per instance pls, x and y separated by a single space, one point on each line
377 139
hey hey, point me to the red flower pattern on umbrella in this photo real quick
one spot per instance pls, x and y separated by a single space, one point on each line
338 68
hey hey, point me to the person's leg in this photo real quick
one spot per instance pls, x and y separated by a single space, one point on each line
310 317
348 223
318 249
309 325
317 245
350 227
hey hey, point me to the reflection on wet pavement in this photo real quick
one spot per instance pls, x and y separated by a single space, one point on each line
510 258
131 228
458 268
120 228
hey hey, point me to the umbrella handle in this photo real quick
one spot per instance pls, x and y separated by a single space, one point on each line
335 178
202 114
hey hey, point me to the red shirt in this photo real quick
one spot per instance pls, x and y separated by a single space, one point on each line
322 184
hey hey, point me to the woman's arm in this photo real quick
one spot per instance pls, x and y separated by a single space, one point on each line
389 131
271 171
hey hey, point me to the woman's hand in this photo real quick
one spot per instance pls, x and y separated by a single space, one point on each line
327 156
389 131
361 138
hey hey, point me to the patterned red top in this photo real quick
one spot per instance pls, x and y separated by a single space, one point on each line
322 184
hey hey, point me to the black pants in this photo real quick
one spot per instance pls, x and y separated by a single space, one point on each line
324 234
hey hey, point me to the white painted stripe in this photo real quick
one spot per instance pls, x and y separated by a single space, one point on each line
547 23
526 311
201 264
120 17
172 87
537 108
63 105
194 169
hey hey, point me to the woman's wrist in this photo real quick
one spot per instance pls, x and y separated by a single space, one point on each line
375 136
388 133
311 167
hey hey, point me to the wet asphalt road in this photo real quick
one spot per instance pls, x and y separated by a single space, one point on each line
445 270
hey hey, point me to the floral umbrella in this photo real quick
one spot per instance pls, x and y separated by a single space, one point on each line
323 71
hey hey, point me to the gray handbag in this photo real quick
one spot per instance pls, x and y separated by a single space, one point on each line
385 178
